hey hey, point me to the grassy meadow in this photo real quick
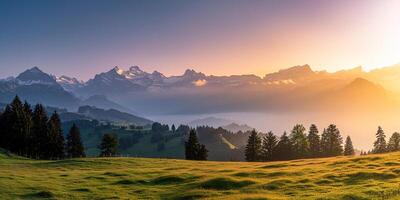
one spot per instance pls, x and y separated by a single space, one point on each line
365 177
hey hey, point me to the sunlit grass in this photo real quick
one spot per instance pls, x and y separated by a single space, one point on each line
366 177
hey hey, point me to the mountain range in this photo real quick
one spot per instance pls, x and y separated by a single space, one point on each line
136 91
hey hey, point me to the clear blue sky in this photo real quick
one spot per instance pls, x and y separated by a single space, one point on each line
81 38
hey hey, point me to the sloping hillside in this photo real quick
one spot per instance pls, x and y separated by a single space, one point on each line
366 177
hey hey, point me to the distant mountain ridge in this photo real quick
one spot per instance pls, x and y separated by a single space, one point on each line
144 92
112 115
36 86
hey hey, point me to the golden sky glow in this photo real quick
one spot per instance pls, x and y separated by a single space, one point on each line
215 37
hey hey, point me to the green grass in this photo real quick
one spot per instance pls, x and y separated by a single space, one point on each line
346 178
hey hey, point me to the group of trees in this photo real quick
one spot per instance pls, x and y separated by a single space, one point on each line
193 149
298 144
380 145
32 134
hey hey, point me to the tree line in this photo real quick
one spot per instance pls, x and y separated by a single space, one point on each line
298 144
31 133
380 144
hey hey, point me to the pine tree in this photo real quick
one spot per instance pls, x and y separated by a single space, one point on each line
314 142
394 142
28 128
253 147
380 143
56 142
348 147
2 132
6 128
284 148
299 141
203 153
193 149
173 128
331 142
108 146
16 127
74 147
191 146
268 147
40 133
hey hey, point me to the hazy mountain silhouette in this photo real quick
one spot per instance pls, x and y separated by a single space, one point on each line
234 127
112 115
295 88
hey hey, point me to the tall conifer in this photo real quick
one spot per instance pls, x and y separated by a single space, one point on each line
314 142
40 132
331 142
284 148
380 143
348 147
299 141
253 147
268 147
74 147
394 142
56 144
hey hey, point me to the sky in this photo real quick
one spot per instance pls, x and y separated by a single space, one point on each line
82 38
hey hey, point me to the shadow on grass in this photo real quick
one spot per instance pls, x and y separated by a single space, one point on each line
358 177
39 195
274 185
81 190
165 180
225 184
114 174
275 166
125 182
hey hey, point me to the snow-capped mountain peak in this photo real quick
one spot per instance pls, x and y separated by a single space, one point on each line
35 76
34 69
68 80
68 83
117 70
134 72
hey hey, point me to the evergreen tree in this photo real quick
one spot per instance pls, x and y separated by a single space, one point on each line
6 128
108 146
314 142
28 128
173 128
40 132
193 149
331 142
284 148
299 141
203 153
56 142
394 142
380 143
3 137
16 126
253 147
191 146
268 147
348 147
74 147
